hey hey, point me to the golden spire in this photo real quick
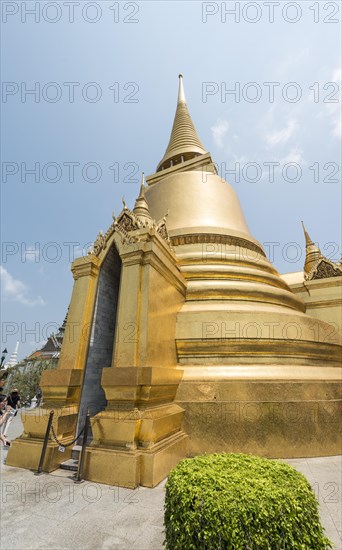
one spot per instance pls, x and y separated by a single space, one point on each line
313 253
308 241
184 142
141 208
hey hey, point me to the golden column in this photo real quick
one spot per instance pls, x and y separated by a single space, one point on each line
61 387
139 437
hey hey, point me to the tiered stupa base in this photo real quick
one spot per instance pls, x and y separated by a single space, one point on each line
271 411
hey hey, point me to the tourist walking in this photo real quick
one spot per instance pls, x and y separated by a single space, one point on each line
4 414
13 402
39 396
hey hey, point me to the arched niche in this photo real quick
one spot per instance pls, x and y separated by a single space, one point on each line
102 332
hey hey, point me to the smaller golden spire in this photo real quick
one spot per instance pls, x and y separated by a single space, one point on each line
141 208
142 187
307 236
313 253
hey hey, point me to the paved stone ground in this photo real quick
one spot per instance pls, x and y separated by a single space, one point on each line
51 512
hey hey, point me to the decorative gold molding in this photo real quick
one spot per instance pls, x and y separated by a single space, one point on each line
324 304
228 349
198 238
85 266
203 162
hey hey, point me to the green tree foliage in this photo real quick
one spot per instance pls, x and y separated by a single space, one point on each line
27 381
240 502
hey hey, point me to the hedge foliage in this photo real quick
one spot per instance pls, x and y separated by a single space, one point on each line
236 501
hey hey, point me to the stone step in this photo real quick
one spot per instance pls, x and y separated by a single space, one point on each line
71 465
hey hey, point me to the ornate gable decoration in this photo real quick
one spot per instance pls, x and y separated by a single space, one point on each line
162 230
324 269
99 244
127 223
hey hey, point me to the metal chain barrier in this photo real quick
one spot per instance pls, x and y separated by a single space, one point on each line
65 444
62 446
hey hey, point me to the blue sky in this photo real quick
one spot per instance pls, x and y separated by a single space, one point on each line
95 136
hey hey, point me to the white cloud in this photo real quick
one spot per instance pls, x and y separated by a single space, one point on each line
282 136
295 155
16 290
219 130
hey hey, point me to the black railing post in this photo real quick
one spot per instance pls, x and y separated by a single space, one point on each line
79 475
46 439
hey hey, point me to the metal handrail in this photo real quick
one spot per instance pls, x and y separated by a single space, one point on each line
79 475
46 439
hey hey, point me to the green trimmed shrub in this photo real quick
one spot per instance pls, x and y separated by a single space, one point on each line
235 501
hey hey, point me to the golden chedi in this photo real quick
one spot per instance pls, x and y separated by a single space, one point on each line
259 375
208 349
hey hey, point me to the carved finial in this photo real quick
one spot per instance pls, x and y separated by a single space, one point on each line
124 204
113 216
142 187
313 253
316 265
141 209
307 236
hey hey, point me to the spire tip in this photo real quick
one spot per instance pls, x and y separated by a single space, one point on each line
181 94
